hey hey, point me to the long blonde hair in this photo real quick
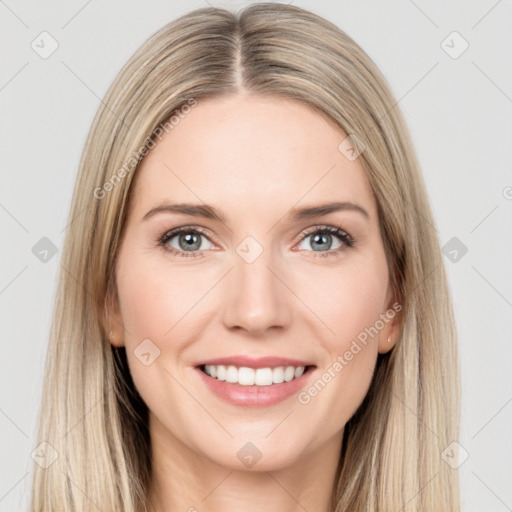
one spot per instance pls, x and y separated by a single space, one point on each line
91 414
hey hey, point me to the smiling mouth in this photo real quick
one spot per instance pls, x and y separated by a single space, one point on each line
246 376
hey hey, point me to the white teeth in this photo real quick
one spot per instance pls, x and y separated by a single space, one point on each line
221 372
263 377
231 374
246 376
299 371
249 376
278 375
289 373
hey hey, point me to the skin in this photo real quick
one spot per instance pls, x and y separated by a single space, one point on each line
253 158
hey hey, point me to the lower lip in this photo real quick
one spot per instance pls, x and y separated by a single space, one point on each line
254 396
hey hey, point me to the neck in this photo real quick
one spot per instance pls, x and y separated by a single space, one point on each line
183 480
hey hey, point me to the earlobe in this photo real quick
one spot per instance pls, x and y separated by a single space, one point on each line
392 328
113 340
113 321
387 343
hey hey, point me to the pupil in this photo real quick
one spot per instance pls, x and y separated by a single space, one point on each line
191 241
320 238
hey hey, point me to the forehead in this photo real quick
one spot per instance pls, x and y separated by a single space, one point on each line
251 152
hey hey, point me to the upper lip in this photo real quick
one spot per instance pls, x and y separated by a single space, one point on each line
255 362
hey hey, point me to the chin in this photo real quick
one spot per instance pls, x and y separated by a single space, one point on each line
255 456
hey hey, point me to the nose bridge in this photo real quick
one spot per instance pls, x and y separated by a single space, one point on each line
256 299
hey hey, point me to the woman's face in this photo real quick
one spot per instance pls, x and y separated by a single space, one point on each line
252 282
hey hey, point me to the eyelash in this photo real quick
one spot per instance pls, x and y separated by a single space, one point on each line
344 237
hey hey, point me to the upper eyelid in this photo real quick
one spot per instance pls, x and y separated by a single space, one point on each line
319 227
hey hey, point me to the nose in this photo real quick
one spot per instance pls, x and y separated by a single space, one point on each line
256 296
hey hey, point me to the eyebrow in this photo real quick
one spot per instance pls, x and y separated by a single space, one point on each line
210 212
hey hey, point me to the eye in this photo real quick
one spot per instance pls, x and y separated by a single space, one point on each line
184 241
321 240
187 241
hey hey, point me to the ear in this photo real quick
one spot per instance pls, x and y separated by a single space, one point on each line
392 320
113 320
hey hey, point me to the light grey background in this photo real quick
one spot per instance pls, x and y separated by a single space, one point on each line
458 110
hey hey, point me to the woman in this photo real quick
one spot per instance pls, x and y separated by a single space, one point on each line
207 352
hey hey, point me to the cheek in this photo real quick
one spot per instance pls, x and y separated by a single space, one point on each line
161 301
347 299
155 307
350 307
155 299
